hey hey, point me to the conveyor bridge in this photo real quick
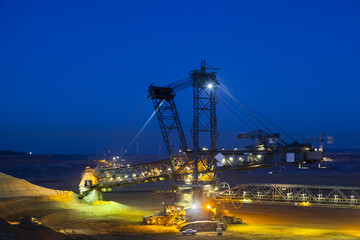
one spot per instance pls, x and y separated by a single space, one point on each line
173 168
303 195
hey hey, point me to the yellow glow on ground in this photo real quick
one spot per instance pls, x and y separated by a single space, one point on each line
107 208
354 233
293 232
64 198
100 203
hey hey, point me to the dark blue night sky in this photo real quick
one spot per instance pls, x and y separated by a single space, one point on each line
73 73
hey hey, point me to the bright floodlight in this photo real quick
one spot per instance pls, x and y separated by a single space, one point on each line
210 85
193 206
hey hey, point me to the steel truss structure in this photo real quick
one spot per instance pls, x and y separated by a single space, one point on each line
197 166
304 195
180 168
204 117
112 177
184 163
190 165
168 118
204 105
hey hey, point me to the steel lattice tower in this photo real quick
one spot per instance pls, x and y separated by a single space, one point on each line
163 101
204 111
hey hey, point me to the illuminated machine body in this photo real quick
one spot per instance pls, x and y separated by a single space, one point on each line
194 169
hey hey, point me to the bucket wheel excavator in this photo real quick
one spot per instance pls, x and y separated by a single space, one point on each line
194 169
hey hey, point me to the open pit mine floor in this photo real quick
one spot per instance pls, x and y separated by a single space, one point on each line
119 216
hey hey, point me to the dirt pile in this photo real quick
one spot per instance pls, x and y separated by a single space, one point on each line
12 187
62 213
19 197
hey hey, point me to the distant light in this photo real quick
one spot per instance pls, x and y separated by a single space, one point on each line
210 86
30 153
193 206
117 157
231 158
208 206
259 156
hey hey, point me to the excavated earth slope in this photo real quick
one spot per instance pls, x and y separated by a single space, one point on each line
12 187
63 216
19 197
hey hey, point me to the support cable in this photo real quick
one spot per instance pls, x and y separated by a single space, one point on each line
243 104
143 127
240 111
245 108
127 125
245 116
236 114
181 84
178 82
268 120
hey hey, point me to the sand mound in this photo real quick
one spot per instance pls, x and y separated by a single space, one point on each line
19 197
12 187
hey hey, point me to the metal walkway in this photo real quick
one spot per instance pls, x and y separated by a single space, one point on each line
304 195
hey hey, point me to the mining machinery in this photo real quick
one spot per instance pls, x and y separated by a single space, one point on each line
193 169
